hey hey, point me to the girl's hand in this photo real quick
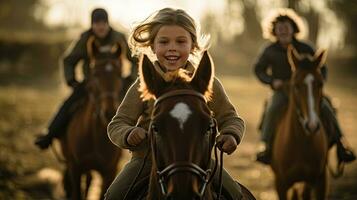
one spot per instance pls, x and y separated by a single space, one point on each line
228 143
136 136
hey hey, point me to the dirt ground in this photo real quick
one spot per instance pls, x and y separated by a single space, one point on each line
28 173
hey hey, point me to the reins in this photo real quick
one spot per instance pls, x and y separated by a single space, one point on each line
216 146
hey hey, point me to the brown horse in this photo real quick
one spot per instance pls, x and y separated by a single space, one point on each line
86 146
182 134
300 145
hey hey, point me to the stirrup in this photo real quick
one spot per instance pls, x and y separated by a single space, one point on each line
43 141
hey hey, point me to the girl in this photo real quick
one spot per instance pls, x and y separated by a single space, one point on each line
171 37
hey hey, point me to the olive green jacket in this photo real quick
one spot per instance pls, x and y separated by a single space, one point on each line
134 112
78 51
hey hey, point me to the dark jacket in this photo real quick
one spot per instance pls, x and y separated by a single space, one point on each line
78 52
274 59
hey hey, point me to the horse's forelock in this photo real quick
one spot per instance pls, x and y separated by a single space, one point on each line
177 80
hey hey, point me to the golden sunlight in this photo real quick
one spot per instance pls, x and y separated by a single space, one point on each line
123 12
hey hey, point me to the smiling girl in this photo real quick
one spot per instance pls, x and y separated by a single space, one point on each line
171 37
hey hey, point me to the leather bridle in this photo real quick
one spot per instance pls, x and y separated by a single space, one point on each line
205 176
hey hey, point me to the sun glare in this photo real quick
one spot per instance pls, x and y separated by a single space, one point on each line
123 13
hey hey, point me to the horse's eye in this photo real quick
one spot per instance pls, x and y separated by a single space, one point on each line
298 87
319 84
211 127
154 129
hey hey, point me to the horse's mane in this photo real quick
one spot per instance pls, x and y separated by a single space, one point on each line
179 79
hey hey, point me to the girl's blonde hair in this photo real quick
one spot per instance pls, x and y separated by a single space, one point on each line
143 35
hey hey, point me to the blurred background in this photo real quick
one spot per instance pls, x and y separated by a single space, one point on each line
35 33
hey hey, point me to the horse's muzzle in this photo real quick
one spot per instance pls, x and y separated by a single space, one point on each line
312 128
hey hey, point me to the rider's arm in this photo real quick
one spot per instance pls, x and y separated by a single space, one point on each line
228 120
261 66
126 117
72 56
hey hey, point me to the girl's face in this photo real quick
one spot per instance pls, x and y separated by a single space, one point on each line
284 32
172 46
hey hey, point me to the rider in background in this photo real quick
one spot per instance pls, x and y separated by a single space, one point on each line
272 68
106 36
167 32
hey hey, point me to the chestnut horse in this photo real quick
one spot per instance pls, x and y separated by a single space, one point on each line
86 146
182 133
300 146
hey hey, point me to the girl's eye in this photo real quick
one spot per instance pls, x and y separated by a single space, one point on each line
163 42
181 41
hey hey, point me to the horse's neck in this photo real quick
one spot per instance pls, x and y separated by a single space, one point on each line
291 116
87 114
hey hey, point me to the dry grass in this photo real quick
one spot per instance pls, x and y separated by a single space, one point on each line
26 110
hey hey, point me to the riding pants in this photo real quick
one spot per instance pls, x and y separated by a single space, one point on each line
59 123
276 106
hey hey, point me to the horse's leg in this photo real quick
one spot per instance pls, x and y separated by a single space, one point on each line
306 192
295 195
75 176
88 182
281 188
66 182
321 187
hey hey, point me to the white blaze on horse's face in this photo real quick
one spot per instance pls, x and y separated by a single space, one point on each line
109 67
181 112
313 118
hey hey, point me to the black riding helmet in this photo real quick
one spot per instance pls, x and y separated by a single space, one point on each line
99 14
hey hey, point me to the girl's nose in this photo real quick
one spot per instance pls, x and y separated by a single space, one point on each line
172 46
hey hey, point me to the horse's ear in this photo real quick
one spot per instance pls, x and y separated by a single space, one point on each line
293 57
204 74
149 76
320 58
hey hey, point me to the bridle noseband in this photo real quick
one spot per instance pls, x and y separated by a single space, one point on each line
178 167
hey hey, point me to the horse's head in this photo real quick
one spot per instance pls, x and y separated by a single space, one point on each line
105 80
306 86
182 131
